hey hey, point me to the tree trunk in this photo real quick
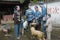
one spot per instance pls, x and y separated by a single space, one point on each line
0 18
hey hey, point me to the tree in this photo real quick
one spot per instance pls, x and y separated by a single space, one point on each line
22 1
34 1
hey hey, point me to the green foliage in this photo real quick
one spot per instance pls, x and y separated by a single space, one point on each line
22 1
34 1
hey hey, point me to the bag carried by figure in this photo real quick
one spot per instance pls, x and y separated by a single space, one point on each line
25 24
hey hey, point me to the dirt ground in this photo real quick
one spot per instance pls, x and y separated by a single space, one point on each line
55 35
